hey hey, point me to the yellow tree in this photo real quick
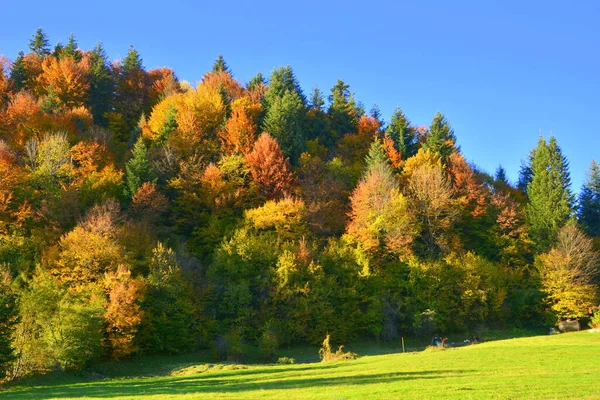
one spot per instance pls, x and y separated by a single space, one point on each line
67 79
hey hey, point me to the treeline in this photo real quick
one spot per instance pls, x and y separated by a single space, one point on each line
139 214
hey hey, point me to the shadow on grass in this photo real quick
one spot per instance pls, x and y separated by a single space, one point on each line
218 383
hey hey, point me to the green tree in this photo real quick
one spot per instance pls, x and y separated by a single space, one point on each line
132 61
282 81
440 138
549 192
39 44
71 49
403 135
220 65
257 81
285 122
102 85
18 73
138 169
342 110
8 319
589 202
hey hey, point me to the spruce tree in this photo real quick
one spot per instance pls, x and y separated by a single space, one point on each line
403 135
71 49
18 74
376 115
138 169
283 80
500 176
342 110
257 81
440 138
132 61
316 100
589 202
220 65
550 199
39 44
102 85
285 122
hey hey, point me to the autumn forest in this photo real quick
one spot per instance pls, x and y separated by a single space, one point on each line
140 214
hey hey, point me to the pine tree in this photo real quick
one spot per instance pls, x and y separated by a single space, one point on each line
285 122
500 175
376 115
71 49
102 85
283 80
138 168
132 61
376 156
316 100
589 202
440 138
404 137
550 198
18 73
342 112
39 44
220 65
257 81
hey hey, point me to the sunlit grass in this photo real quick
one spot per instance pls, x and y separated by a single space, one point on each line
561 366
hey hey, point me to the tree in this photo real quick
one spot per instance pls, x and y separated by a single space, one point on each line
283 80
18 73
67 79
240 130
550 199
220 65
138 169
589 202
403 135
440 138
379 218
270 170
567 274
131 92
285 122
39 44
102 85
342 112
71 50
8 319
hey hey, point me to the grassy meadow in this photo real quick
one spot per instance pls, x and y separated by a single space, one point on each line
559 366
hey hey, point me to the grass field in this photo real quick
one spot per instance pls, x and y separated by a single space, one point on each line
560 366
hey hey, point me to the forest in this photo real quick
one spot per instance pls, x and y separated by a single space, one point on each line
142 215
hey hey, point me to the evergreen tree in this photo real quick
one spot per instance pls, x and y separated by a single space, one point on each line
18 73
220 65
377 157
285 122
550 198
342 112
500 175
589 202
138 168
402 134
316 100
8 318
40 44
102 85
257 81
132 61
283 80
440 138
71 49
376 115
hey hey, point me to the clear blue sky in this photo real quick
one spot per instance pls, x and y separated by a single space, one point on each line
501 71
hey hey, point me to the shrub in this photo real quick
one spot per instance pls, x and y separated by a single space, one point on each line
327 355
595 320
268 344
286 360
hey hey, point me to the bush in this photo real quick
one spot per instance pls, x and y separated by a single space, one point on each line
268 344
595 320
327 355
286 360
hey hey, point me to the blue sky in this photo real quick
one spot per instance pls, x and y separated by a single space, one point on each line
501 71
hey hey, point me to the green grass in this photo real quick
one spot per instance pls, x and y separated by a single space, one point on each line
561 366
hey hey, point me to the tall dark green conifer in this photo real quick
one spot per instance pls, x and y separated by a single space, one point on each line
316 100
102 85
256 81
220 65
132 61
138 169
342 110
285 122
18 73
283 80
71 49
403 135
39 44
589 202
440 138
549 193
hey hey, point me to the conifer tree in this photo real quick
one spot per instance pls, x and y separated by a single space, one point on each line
589 202
316 100
138 168
220 65
257 81
39 44
404 137
102 85
285 122
550 198
342 110
283 80
500 175
132 60
8 318
440 138
18 73
71 49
